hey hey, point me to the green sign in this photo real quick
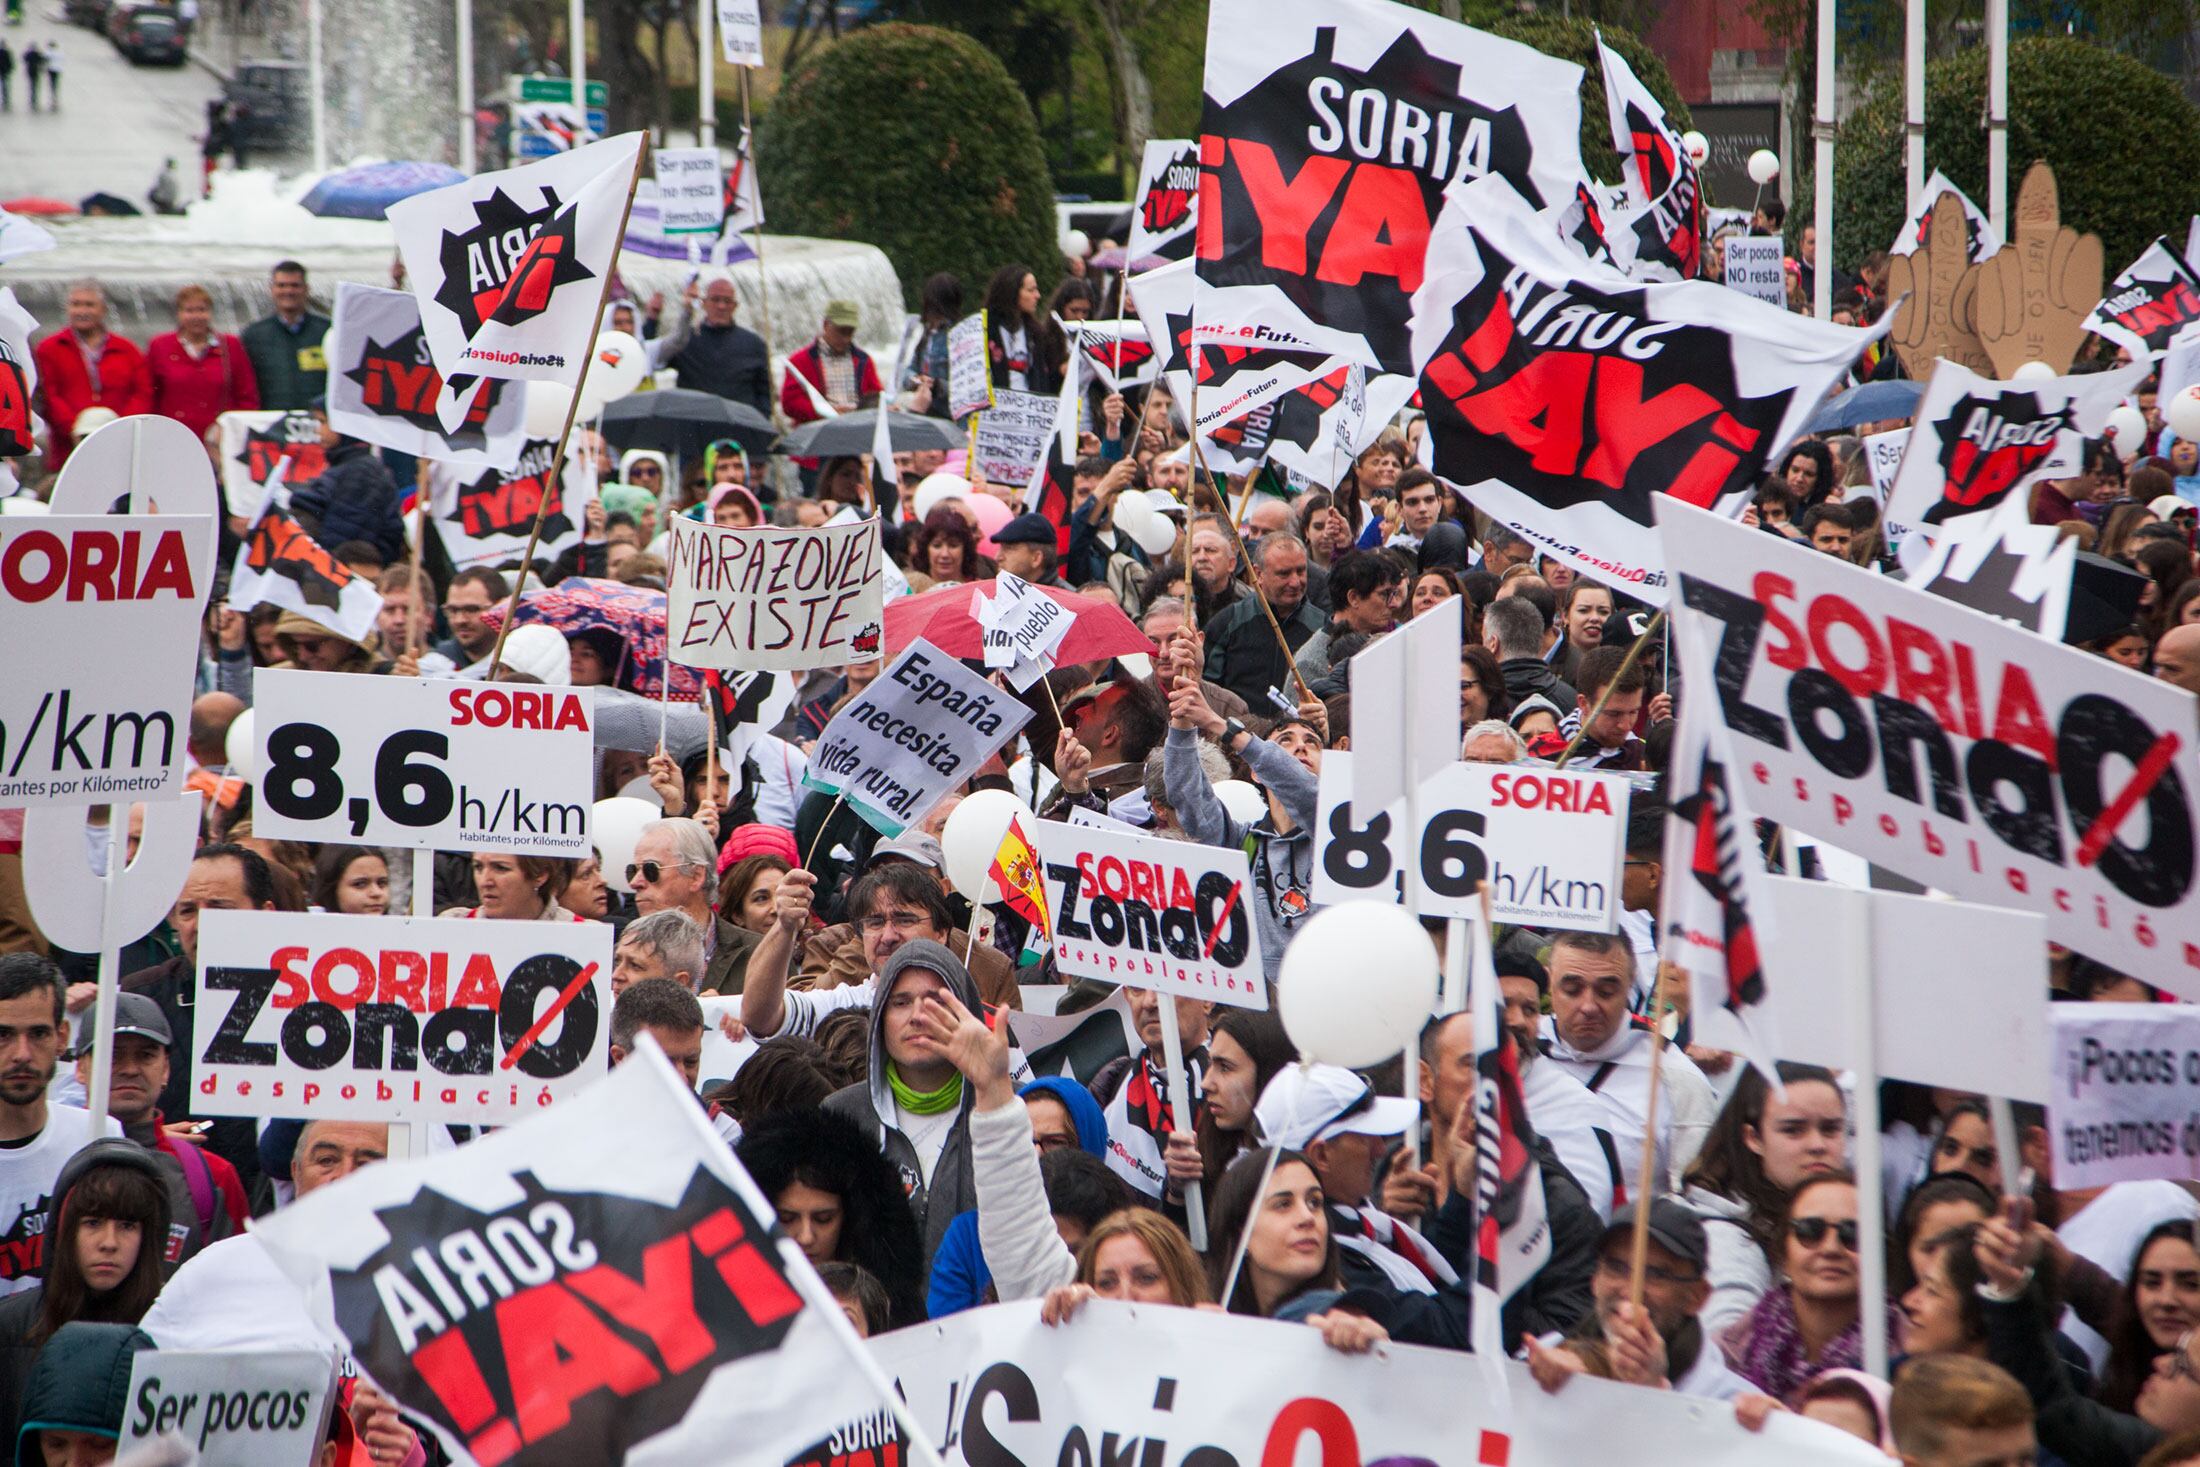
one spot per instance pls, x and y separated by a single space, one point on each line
556 89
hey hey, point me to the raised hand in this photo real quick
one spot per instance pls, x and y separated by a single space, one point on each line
1936 320
968 1043
2034 296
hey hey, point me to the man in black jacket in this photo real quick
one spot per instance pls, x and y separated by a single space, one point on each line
1242 654
1512 628
718 356
354 499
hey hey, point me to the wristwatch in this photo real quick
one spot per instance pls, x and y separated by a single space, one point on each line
1231 728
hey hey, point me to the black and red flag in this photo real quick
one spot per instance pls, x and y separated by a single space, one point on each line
1512 1235
1663 229
1166 208
18 378
2146 307
384 389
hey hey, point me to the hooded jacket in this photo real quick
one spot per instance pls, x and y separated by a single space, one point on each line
1282 866
1013 1225
834 1154
81 1383
953 1188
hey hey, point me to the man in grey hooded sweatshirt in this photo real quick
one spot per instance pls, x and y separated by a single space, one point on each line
916 1103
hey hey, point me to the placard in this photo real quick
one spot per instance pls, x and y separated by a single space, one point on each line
1009 438
1170 915
1753 267
923 726
1550 843
99 634
773 600
241 1408
314 1015
1883 456
690 199
1407 732
253 443
741 32
1022 626
440 764
969 373
1938 742
2125 1105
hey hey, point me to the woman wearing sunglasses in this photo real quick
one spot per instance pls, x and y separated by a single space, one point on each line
1808 1322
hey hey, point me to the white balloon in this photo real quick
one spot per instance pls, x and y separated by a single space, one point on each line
936 489
241 748
1697 146
1356 984
2130 427
617 369
1764 166
1076 244
1244 801
547 405
972 837
619 823
2033 372
2183 413
1132 514
1159 536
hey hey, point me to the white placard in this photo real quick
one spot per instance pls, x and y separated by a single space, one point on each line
1406 728
99 630
2126 1101
450 765
969 374
242 1408
923 726
1753 267
1173 916
773 600
1883 456
690 196
1022 626
312 1014
1009 439
1550 842
741 32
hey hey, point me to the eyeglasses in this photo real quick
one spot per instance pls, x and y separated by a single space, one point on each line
653 871
1469 682
1811 1231
878 922
644 471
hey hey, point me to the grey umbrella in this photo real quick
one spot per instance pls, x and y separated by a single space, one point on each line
852 433
1871 403
678 420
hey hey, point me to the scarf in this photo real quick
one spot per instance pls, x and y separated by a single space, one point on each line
924 1102
1768 1349
1138 1120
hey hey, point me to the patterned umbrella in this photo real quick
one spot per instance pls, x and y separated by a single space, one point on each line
1098 629
633 614
367 191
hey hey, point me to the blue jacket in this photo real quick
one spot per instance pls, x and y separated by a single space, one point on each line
959 1275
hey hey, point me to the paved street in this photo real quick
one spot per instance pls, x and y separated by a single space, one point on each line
117 121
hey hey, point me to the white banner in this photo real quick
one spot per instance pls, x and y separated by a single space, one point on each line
923 726
969 372
509 267
1022 625
2126 1099
1664 196
1165 210
1168 915
741 32
2154 300
997 1387
484 517
1008 440
1940 743
241 1408
1883 455
690 195
775 600
421 763
383 387
1548 841
101 616
1753 267
281 565
252 446
312 1014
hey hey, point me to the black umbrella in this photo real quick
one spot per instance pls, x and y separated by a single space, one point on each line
851 434
678 420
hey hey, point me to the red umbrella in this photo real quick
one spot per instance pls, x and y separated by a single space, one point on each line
1098 629
635 615
36 205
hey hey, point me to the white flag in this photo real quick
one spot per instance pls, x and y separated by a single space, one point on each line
509 267
279 564
1165 210
383 387
1663 195
1983 239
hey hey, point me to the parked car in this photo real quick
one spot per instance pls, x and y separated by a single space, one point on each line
149 35
89 13
269 102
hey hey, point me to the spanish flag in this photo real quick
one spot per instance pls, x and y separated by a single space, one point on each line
1015 873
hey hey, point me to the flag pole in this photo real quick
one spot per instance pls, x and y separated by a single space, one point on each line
1245 492
1597 707
1646 1177
572 410
756 233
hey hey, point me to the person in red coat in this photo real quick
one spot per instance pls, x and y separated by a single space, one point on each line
197 373
832 369
85 365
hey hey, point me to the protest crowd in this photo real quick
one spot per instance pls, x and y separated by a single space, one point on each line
950 783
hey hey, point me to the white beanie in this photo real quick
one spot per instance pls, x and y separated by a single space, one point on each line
541 653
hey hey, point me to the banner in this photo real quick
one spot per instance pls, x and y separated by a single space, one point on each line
776 600
1976 442
690 197
1883 455
2155 298
423 764
1564 398
254 443
1116 353
1165 210
102 615
1981 238
509 267
1008 439
599 1283
1170 915
1999 562
1235 406
383 388
1665 196
280 564
2126 1101
969 371
920 728
1329 133
1939 743
18 377
313 1015
741 32
1512 1237
484 518
1207 1389
1549 842
1754 268
242 1408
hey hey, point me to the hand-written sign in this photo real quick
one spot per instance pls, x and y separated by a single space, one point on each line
1753 267
689 197
773 600
1010 437
969 376
242 1408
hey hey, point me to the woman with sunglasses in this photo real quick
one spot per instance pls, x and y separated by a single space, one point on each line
1808 1322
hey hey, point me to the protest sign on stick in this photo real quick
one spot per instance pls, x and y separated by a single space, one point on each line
2125 1104
1167 915
690 197
772 599
969 374
254 443
1022 627
242 1408
484 516
1753 267
1009 439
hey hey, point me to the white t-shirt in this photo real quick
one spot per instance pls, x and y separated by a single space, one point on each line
1018 348
1564 1113
28 1170
927 1136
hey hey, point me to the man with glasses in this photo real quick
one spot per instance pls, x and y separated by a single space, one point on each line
672 870
471 595
889 905
1662 1344
717 356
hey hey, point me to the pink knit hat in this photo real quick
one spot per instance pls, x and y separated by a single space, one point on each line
758 840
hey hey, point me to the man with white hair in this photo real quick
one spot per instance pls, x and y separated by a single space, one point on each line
84 365
1493 741
672 870
717 356
665 944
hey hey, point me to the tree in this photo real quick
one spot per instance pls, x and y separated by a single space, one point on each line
1576 41
2122 139
917 140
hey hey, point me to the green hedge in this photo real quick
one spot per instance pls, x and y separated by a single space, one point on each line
2123 141
914 139
1575 40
